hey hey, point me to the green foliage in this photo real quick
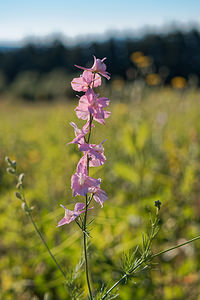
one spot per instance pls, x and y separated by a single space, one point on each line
32 86
152 152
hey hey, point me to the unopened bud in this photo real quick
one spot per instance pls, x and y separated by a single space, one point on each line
10 170
21 178
158 204
9 162
18 185
18 195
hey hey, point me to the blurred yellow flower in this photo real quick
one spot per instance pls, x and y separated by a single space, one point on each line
178 82
153 79
136 55
144 62
140 59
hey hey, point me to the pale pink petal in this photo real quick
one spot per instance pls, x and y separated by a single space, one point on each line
82 165
81 182
62 222
100 196
71 215
98 67
103 102
97 80
95 154
78 85
107 114
79 206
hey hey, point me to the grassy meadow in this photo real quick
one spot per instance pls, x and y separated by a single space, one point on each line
153 152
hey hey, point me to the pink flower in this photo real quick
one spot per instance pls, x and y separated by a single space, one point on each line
81 182
85 81
99 195
95 153
98 67
91 104
79 133
71 215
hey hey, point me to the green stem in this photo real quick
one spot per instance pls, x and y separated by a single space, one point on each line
28 211
175 247
90 127
114 286
85 221
145 260
45 244
85 249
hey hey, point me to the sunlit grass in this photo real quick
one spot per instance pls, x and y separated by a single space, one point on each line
152 152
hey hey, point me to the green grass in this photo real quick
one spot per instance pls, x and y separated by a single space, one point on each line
152 152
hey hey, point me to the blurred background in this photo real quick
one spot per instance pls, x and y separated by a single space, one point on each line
152 146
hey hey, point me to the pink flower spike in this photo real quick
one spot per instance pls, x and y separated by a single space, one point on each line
98 67
99 195
85 81
71 215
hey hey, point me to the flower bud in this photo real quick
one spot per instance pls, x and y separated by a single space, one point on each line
19 196
18 185
9 162
21 178
10 170
158 204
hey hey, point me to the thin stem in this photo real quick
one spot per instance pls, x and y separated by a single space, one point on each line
114 286
122 279
145 260
39 233
45 244
86 210
90 128
85 248
175 247
85 220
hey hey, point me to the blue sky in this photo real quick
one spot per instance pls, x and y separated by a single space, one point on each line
22 18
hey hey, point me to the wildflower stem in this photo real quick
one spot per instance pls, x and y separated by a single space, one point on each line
140 262
28 211
175 247
85 221
85 248
90 128
45 244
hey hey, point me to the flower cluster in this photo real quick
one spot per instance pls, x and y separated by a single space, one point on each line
91 108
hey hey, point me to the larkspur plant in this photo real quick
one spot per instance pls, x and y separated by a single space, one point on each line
91 108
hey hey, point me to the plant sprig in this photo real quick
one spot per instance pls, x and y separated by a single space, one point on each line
20 194
133 264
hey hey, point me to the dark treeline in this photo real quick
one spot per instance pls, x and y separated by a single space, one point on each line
178 51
